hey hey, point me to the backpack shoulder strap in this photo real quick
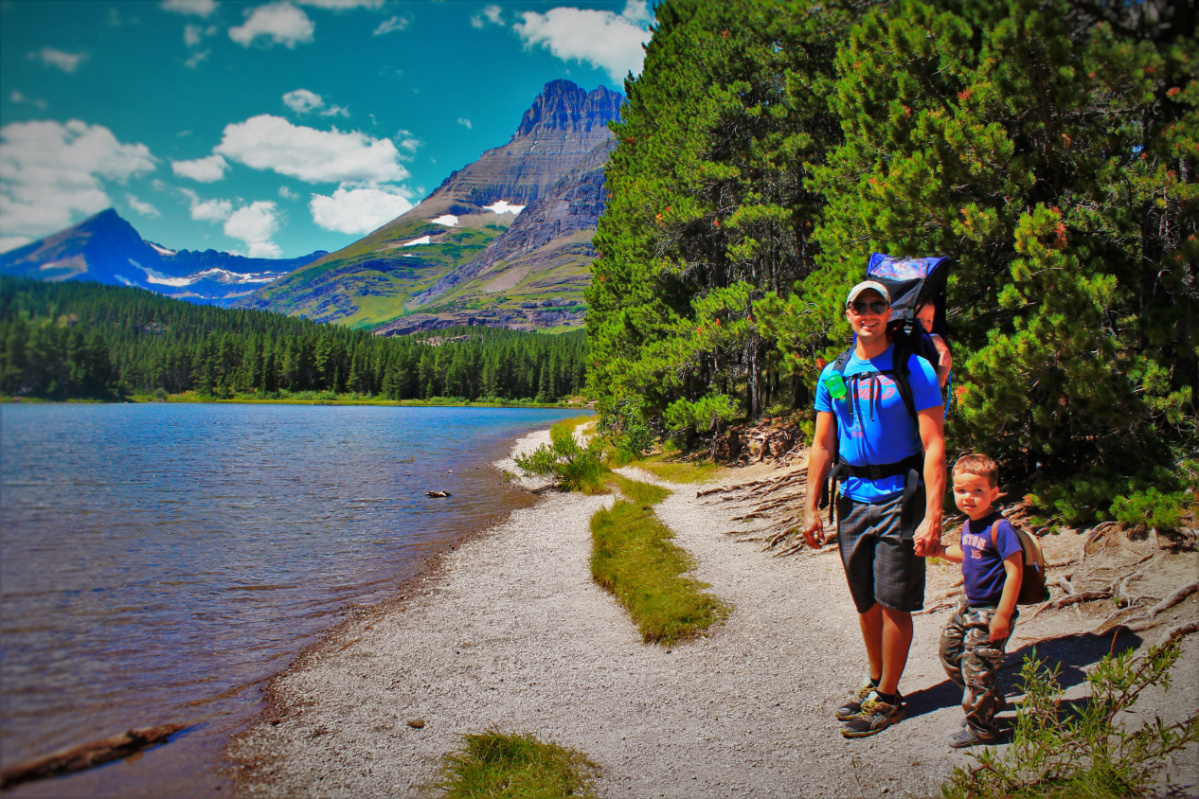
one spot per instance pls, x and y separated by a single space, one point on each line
900 355
842 360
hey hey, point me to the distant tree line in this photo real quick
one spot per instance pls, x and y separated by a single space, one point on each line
69 340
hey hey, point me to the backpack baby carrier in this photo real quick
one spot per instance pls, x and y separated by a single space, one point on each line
912 283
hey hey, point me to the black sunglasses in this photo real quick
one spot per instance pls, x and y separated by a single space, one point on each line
875 306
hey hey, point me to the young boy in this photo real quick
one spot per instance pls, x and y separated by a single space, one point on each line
992 568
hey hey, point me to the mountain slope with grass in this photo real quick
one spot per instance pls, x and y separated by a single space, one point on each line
406 266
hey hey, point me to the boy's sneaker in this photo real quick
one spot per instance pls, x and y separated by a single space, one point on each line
875 716
968 737
851 708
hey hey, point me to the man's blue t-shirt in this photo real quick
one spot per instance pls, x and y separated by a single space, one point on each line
877 428
982 568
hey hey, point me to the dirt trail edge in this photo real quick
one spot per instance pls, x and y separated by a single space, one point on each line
512 634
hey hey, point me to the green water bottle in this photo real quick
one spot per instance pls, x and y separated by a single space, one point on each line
836 386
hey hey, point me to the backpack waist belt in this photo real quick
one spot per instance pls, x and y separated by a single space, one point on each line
874 471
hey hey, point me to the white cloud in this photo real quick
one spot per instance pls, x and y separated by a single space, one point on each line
194 34
13 242
50 57
406 140
287 193
638 11
18 98
202 170
314 156
601 38
255 224
358 210
391 25
197 58
464 122
302 101
492 14
207 210
212 210
143 208
281 22
200 8
50 171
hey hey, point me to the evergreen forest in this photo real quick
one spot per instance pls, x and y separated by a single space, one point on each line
70 340
1049 147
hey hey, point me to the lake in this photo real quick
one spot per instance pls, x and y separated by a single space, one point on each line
160 562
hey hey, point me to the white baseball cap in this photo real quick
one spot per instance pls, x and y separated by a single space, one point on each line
867 285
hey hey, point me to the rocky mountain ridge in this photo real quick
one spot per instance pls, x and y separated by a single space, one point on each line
105 248
466 254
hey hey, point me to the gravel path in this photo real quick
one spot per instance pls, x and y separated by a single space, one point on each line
512 634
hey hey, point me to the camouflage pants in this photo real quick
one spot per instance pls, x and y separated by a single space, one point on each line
972 661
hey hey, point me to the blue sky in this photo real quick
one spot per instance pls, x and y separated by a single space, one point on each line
274 129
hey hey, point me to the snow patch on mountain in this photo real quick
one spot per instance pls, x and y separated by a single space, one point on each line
504 207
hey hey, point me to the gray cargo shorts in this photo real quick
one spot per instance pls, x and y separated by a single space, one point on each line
877 550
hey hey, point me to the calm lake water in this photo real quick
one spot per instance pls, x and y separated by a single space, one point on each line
160 562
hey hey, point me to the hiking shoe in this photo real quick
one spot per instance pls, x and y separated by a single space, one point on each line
968 737
851 708
875 716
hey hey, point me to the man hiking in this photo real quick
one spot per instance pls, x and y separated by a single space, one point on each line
879 428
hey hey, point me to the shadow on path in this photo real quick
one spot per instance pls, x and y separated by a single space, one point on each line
1073 652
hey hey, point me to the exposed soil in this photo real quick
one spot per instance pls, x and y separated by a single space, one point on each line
512 634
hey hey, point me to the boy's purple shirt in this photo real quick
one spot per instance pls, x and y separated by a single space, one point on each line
982 565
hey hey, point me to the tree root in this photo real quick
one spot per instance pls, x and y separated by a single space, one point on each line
1144 620
1183 629
1072 599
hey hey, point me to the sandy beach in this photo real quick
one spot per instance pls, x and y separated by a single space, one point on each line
510 633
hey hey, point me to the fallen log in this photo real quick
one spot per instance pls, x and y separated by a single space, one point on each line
85 756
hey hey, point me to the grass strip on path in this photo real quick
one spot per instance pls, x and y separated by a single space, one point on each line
634 557
510 766
676 471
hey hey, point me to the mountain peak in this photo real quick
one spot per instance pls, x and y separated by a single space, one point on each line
564 107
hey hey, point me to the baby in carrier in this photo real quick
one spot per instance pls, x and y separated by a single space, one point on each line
924 315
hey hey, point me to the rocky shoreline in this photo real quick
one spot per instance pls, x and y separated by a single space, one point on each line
510 633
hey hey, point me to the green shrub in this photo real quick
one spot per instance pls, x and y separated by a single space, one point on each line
572 466
1091 749
622 424
508 766
1159 498
1152 508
